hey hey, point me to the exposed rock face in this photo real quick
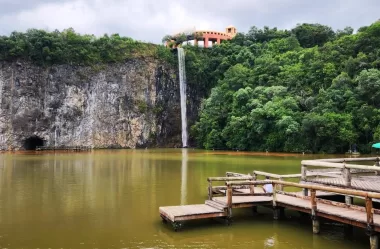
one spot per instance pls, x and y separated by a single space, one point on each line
126 105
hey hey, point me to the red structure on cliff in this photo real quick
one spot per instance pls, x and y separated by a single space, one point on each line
204 35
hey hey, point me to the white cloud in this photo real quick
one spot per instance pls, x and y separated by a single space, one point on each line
150 20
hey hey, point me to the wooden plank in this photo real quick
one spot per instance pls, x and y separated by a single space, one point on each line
190 212
329 211
341 160
362 183
222 179
343 191
243 199
233 174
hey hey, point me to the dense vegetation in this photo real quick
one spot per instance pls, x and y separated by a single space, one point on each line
69 47
307 89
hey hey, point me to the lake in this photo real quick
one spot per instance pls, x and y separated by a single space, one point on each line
110 199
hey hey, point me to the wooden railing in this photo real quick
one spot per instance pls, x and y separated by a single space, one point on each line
358 159
368 196
212 189
341 168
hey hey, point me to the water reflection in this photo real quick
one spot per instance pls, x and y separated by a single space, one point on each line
111 198
184 177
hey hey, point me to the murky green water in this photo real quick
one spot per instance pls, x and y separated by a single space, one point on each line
110 199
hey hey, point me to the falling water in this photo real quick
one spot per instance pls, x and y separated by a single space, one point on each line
182 87
55 137
56 125
1 89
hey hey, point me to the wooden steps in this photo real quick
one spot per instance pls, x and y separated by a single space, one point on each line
216 205
245 201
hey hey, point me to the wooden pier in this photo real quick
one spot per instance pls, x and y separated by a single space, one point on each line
243 190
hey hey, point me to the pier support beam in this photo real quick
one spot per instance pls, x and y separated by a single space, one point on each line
347 181
177 226
278 213
314 218
374 241
254 210
229 202
316 225
304 178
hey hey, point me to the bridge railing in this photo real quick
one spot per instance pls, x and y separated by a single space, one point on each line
230 177
342 168
368 196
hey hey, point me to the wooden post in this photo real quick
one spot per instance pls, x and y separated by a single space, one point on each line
369 210
251 188
373 236
274 194
254 175
347 182
304 178
229 201
210 190
348 229
374 241
252 191
281 186
316 227
276 214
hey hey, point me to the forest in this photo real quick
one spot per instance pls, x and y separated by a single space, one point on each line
69 47
309 89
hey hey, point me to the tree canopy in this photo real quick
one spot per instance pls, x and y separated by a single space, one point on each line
69 47
306 89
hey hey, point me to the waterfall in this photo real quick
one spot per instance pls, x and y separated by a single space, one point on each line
182 87
1 89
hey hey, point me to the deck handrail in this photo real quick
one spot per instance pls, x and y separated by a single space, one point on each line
277 176
369 210
317 163
343 191
345 170
224 179
341 160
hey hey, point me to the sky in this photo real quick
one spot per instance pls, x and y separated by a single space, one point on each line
150 20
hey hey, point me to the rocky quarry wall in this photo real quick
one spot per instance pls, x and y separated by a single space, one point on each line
123 105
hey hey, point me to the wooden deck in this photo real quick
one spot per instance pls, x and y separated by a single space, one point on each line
366 183
356 217
190 212
245 201
335 178
337 213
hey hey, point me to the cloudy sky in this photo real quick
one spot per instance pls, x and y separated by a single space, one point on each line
150 20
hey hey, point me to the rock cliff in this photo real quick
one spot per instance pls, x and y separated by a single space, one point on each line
122 105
